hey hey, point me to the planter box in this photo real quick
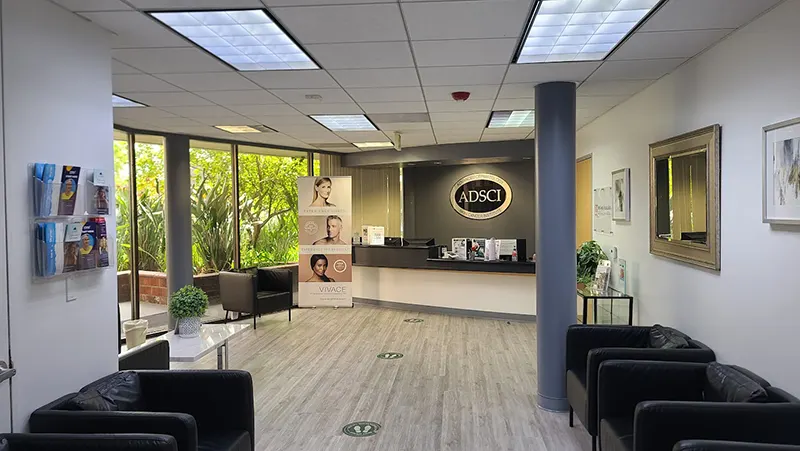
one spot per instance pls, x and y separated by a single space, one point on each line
153 287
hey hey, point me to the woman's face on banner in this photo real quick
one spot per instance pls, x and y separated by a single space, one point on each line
320 267
324 189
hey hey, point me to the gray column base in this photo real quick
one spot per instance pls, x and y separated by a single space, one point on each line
553 404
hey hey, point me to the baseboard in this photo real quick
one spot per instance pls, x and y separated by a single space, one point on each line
447 310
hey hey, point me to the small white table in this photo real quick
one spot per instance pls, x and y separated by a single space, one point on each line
212 336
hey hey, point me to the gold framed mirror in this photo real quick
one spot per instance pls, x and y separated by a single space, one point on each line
684 198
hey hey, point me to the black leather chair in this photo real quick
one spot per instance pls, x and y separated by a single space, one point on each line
651 406
84 442
257 291
588 346
203 410
711 445
152 355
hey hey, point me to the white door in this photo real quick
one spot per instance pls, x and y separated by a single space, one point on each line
5 380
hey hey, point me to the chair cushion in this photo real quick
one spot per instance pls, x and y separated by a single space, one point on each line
725 384
270 294
120 391
667 338
224 441
616 434
576 396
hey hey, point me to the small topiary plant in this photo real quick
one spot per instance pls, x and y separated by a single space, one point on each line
188 302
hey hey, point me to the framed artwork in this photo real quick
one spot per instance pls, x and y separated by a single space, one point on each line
621 184
781 173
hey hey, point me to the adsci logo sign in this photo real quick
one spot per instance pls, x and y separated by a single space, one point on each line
480 196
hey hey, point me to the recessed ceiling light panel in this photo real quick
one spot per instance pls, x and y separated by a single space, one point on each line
122 102
248 40
245 128
508 119
345 122
374 145
580 30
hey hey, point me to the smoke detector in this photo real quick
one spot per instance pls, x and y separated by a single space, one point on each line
460 96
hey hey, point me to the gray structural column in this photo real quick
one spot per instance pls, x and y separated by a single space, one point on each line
555 237
179 214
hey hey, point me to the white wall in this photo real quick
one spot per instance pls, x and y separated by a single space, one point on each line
57 103
749 311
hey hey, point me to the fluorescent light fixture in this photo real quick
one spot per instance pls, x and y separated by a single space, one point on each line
374 145
245 128
507 119
580 30
248 40
345 122
122 102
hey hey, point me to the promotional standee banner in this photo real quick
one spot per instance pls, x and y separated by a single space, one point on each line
325 223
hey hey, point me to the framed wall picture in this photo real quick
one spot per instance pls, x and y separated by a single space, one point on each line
781 173
621 185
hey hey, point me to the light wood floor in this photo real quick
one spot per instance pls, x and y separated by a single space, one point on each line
464 383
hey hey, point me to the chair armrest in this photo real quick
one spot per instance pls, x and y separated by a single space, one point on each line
599 355
238 291
659 425
219 400
582 338
152 355
712 445
179 425
622 384
94 442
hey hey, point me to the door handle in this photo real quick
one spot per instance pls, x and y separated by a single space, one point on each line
6 372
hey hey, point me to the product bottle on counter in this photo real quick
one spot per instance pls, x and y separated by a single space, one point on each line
514 254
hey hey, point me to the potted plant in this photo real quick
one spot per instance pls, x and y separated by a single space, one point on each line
589 255
188 305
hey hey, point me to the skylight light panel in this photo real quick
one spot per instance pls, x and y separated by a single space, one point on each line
247 40
345 122
580 30
122 102
508 119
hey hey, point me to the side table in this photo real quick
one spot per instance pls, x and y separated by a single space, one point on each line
588 294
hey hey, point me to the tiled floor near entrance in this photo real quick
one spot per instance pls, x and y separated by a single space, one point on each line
463 384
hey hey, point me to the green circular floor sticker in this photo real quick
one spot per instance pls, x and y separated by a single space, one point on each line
361 429
390 355
413 320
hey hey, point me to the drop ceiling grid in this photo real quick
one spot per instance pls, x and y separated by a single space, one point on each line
377 69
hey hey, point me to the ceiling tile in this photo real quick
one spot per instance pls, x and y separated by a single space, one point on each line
514 104
706 15
604 102
225 119
141 83
141 113
466 19
298 96
477 92
473 75
406 94
355 137
517 91
376 78
122 68
133 29
440 106
245 97
393 107
195 4
213 81
460 137
343 23
542 73
362 55
93 5
668 44
164 99
415 140
169 60
330 108
481 116
490 138
458 125
288 79
636 69
307 129
177 122
464 52
265 110
200 111
403 127
319 2
521 131
613 88
275 121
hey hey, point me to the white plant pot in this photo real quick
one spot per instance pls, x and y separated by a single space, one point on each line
189 327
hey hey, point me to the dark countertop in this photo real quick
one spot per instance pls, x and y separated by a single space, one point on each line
518 267
393 247
426 257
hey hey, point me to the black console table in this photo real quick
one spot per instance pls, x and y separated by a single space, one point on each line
589 294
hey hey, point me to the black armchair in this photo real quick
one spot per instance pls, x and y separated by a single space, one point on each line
83 442
711 445
589 346
257 291
152 355
651 406
208 410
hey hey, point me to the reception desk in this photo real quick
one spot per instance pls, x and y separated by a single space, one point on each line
414 278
